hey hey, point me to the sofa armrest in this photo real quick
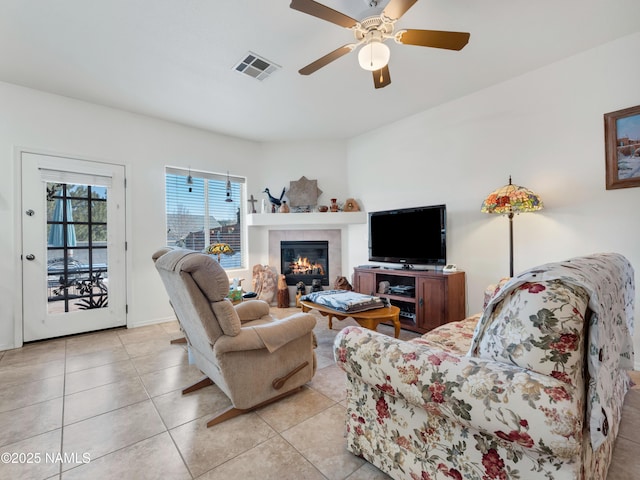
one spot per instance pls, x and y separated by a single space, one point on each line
510 403
271 335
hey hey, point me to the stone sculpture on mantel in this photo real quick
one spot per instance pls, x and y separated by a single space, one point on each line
303 194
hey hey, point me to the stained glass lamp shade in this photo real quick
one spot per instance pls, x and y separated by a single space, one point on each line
509 200
219 249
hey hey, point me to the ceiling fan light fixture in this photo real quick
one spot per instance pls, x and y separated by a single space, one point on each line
374 55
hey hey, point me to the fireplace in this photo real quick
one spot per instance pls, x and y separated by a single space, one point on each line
304 261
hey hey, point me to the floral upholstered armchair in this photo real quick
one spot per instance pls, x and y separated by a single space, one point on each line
531 388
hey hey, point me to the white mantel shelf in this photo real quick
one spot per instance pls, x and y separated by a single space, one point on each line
299 219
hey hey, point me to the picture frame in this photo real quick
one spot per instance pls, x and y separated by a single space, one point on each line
622 148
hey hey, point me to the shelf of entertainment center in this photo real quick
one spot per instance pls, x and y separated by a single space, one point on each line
398 298
437 298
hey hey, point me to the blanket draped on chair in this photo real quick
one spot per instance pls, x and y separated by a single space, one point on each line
610 341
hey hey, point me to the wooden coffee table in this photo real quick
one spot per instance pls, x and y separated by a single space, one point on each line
367 319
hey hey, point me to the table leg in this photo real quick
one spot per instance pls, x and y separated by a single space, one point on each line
306 309
396 325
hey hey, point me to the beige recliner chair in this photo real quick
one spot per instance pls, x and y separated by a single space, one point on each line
252 358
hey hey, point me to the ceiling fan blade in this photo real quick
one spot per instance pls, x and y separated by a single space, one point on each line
433 38
327 59
381 78
396 8
323 12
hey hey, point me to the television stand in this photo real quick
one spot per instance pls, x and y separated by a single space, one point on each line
426 298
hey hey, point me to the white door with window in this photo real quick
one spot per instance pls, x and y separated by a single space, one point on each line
73 246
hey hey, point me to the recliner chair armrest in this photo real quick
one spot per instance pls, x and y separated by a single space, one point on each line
271 336
507 402
251 310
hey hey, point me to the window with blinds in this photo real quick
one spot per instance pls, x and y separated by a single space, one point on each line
203 209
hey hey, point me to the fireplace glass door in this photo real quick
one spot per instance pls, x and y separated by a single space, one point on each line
305 261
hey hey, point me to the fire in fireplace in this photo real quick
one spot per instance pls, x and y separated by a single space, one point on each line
302 266
304 261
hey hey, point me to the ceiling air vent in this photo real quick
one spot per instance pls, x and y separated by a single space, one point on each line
256 66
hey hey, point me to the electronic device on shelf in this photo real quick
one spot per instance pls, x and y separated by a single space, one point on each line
450 267
402 289
409 236
409 315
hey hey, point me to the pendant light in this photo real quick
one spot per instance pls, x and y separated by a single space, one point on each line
190 181
228 199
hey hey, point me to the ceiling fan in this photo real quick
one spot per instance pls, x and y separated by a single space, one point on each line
371 32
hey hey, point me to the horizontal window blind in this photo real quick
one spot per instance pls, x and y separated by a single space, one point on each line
202 211
207 175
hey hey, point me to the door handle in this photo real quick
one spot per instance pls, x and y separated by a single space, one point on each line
30 257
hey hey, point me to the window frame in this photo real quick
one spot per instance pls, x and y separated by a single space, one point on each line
209 198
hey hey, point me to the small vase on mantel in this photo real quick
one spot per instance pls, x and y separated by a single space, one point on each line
334 205
284 208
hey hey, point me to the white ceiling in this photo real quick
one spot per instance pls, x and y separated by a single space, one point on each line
174 59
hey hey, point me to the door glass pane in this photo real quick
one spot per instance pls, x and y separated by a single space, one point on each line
77 276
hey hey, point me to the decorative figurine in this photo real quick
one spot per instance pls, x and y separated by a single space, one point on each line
283 292
301 289
342 283
264 282
284 208
350 205
334 205
252 201
275 201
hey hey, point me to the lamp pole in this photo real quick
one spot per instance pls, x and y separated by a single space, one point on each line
510 244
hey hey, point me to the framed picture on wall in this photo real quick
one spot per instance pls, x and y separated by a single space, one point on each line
622 148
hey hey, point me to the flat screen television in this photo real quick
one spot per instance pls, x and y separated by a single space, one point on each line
409 236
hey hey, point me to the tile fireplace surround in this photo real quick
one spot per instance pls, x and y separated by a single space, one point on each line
334 237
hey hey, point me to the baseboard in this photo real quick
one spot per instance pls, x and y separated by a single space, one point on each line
152 321
7 346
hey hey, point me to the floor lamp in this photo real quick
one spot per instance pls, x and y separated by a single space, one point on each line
509 200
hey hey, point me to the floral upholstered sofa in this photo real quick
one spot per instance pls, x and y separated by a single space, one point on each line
532 388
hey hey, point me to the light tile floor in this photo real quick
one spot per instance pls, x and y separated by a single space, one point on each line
108 406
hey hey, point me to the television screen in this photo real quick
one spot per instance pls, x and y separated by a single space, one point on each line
409 236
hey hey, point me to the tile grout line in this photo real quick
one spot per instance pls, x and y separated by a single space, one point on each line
164 423
64 387
299 452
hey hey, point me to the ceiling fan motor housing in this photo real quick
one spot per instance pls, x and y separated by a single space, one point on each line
375 25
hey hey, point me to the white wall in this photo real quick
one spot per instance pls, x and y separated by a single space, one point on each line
55 124
546 130
283 162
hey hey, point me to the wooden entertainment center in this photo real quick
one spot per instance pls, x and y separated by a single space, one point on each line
427 298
